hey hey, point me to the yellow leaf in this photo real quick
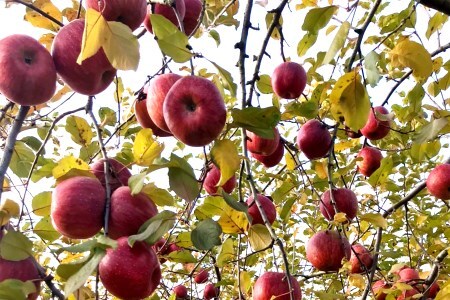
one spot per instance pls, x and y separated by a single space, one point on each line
122 48
47 40
344 145
233 221
321 169
259 237
290 162
303 199
79 130
412 55
375 219
246 283
226 253
6 185
349 101
145 148
69 163
94 36
357 280
226 157
38 20
60 93
8 209
340 217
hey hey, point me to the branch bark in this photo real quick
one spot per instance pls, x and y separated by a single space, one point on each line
440 5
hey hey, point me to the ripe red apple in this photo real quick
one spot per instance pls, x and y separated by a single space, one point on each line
289 80
260 145
202 276
274 285
23 270
191 18
361 259
376 129
210 292
131 12
130 272
378 288
314 139
194 111
407 294
156 94
128 213
78 204
273 159
213 177
180 292
268 207
167 12
28 74
432 292
94 75
408 275
345 201
371 160
438 182
118 174
326 249
143 118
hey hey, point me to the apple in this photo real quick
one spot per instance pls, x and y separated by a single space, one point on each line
213 177
378 289
129 212
260 145
166 11
289 80
345 200
438 182
326 249
131 12
408 294
118 173
408 275
202 276
143 118
23 270
156 94
77 208
268 207
273 285
376 129
371 160
180 292
194 111
130 272
361 259
273 159
210 292
433 290
314 139
192 15
28 74
94 75
352 134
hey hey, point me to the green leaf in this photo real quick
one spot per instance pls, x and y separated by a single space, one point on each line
381 174
227 79
183 256
226 253
307 41
136 183
269 19
79 129
206 235
264 84
41 204
430 131
152 230
414 99
107 116
239 206
13 289
45 230
122 47
258 120
318 18
21 160
338 42
259 237
306 109
65 271
15 246
212 206
215 35
371 68
435 23
183 239
286 210
161 197
375 219
182 179
425 151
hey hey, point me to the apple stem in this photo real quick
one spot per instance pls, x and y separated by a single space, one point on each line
330 169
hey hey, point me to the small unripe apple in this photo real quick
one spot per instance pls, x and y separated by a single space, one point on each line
345 201
438 182
167 12
210 292
274 285
378 288
268 207
118 173
371 160
326 249
260 145
191 18
213 177
23 270
376 129
289 80
180 292
314 139
202 276
273 159
361 259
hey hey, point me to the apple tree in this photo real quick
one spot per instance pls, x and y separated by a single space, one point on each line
229 149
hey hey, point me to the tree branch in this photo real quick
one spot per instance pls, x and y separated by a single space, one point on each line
440 5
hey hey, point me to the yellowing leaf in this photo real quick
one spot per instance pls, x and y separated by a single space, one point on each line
79 130
246 283
145 148
340 217
38 20
349 101
226 157
321 169
94 35
375 219
233 221
226 253
409 54
68 164
357 280
259 237
290 162
6 185
8 210
338 42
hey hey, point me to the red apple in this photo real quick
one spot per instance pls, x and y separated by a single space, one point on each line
194 111
268 207
210 292
326 249
434 289
274 285
378 288
361 259
28 74
78 205
407 294
94 75
213 177
371 160
156 94
408 275
131 12
260 145
289 80
143 118
130 272
314 139
129 212
376 129
191 18
345 201
438 182
166 11
23 270
273 159
180 292
118 173
202 276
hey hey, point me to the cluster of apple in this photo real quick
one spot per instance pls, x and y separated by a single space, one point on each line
210 291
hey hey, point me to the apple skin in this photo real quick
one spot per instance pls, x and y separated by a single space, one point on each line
213 177
273 159
194 111
314 139
167 12
210 292
180 292
438 182
156 94
119 173
375 129
361 259
202 276
94 75
268 207
192 15
77 208
407 294
260 145
377 287
28 74
408 275
289 80
326 249
345 200
143 118
131 12
130 272
274 284
432 292
371 160
129 212
22 270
